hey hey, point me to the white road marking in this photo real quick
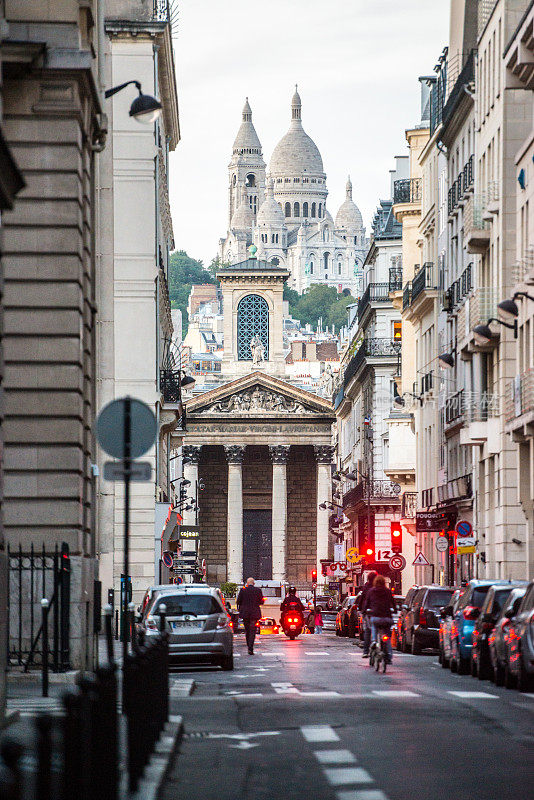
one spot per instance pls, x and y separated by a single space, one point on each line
242 736
341 776
475 695
244 745
285 688
319 733
244 694
394 693
315 653
273 653
361 794
334 757
320 694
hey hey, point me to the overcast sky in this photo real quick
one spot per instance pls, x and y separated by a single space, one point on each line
356 63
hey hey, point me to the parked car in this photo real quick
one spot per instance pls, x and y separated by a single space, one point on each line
325 602
520 666
421 620
343 615
399 600
498 638
446 614
402 613
329 620
197 622
466 612
354 624
491 608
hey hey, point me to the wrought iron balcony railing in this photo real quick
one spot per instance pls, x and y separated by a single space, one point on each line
372 491
371 348
169 381
407 190
375 293
407 296
424 279
454 408
520 395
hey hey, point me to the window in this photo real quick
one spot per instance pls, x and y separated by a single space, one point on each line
355 240
319 211
252 322
339 267
313 210
275 261
296 180
311 267
296 209
251 179
180 604
326 258
304 209
396 331
288 209
234 180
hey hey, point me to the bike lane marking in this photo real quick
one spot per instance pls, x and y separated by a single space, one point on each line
341 776
394 693
334 757
319 733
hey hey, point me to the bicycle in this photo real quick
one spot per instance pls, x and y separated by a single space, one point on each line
378 652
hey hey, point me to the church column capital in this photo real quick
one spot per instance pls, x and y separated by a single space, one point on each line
234 453
191 453
279 453
323 453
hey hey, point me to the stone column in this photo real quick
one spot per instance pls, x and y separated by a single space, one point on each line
234 558
191 455
323 455
279 456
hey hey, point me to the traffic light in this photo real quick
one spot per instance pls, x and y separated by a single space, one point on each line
396 537
369 554
314 575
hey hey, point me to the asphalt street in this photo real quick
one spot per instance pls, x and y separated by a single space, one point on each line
310 719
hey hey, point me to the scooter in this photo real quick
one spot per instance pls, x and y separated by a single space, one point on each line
292 623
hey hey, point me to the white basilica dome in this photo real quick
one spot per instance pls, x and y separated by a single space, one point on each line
296 153
270 212
349 215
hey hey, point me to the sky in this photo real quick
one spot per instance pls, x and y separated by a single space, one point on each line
356 63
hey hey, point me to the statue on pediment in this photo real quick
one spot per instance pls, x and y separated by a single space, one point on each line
257 349
258 400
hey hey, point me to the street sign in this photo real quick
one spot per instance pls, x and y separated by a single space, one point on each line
429 521
442 544
190 532
110 428
352 555
357 568
168 559
465 549
464 528
397 562
139 472
177 580
184 570
420 560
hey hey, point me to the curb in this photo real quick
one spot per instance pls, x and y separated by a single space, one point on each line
181 688
54 678
158 765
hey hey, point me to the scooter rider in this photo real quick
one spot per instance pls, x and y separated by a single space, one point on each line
291 601
379 603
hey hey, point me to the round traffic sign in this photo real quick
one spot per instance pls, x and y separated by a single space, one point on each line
464 528
352 555
177 580
442 544
168 559
397 562
110 427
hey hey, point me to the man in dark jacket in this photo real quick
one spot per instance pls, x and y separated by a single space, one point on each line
249 602
380 602
368 585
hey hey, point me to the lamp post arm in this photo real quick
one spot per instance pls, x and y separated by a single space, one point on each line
512 325
115 89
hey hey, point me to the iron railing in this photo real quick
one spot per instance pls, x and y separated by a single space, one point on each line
409 505
461 287
456 489
169 382
375 293
466 76
407 190
480 406
424 279
520 395
395 279
454 408
371 348
407 295
372 490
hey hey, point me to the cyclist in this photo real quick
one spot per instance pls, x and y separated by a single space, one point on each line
379 603
368 585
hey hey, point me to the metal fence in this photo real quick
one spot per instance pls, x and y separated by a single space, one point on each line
32 576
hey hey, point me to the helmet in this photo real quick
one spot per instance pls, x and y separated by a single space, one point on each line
291 590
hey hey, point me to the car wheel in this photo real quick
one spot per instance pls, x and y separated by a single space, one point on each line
484 672
524 680
473 667
498 674
463 665
227 662
403 646
351 631
416 647
444 661
509 678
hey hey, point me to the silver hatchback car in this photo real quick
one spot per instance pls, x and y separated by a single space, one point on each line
198 626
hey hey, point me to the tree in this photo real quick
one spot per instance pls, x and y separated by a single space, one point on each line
337 314
185 271
319 301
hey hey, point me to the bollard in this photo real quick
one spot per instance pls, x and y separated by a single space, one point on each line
116 623
130 622
108 612
162 617
43 724
44 607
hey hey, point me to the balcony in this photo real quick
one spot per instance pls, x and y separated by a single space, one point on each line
455 489
407 190
519 403
170 388
476 227
407 296
375 492
482 422
424 279
376 293
457 94
371 348
454 409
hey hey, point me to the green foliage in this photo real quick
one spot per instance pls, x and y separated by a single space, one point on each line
228 589
318 301
184 271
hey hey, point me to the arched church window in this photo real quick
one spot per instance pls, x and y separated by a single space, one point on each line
311 267
319 210
234 180
355 240
313 208
251 179
326 258
339 267
296 209
304 209
276 238
288 210
252 323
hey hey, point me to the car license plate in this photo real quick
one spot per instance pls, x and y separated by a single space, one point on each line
187 623
292 627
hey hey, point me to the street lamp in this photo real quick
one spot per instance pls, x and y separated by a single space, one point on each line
446 360
483 333
144 108
508 309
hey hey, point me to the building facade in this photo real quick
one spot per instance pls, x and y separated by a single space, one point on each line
282 210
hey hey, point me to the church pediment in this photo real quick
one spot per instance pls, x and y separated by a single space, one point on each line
259 395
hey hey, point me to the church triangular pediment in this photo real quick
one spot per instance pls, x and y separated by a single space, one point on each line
259 394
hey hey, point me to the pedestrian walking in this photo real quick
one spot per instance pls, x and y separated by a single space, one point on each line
310 621
368 585
318 621
249 602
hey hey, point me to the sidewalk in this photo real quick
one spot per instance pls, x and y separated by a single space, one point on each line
25 702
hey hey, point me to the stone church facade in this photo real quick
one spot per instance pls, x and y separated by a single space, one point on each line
260 447
282 211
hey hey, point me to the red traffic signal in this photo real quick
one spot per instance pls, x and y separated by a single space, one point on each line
314 575
396 537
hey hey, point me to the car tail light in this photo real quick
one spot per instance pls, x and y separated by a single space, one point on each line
151 625
385 637
471 612
422 616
